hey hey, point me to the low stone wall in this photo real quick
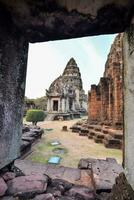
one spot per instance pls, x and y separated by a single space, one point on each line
30 135
111 138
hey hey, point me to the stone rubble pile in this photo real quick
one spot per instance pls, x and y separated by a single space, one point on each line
30 135
111 138
33 181
41 187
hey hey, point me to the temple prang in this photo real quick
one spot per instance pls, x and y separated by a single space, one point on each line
66 94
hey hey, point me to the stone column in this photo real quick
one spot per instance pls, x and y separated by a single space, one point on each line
129 103
73 105
104 98
51 105
63 105
110 113
13 62
59 105
67 104
117 118
48 105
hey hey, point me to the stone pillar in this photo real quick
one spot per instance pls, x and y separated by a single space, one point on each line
73 106
48 105
117 118
63 105
129 103
67 104
104 84
13 62
94 103
110 113
51 105
59 105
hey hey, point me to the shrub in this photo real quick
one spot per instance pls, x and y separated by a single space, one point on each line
35 116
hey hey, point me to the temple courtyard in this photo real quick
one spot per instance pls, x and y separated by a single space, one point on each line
72 147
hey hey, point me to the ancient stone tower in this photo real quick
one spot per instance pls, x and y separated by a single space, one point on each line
66 93
105 102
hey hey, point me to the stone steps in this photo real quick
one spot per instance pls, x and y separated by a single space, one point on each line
76 128
111 138
84 131
111 142
98 137
116 134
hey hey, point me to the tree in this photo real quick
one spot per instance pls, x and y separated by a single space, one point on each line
35 116
41 103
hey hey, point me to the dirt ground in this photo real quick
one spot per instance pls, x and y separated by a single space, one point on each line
75 146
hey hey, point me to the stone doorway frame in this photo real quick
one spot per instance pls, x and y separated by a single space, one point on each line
55 105
33 23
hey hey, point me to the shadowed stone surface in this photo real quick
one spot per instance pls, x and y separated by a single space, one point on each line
121 189
80 192
44 197
7 198
38 20
13 60
3 187
8 176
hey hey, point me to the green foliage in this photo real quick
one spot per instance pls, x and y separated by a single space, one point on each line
35 116
38 103
41 103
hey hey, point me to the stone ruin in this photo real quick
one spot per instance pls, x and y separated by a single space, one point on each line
66 97
27 21
111 138
30 136
105 103
105 100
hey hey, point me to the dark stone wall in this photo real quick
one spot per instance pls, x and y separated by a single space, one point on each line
121 189
61 19
13 59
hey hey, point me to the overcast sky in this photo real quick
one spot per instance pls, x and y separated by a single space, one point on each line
46 61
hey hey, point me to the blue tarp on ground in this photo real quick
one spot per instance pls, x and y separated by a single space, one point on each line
54 160
55 143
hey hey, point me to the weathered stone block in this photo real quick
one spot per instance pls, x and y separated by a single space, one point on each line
47 196
27 186
8 176
3 187
80 192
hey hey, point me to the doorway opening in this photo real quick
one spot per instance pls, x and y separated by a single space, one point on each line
55 105
102 100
